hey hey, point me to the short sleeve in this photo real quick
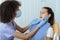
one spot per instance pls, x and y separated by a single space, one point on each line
2 37
50 32
8 29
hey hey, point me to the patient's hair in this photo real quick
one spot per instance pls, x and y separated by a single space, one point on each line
50 11
8 10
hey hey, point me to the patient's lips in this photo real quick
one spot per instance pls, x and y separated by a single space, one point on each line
40 17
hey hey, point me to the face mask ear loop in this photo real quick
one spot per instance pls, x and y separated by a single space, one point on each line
18 13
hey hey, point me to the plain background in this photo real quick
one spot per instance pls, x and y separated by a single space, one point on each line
31 10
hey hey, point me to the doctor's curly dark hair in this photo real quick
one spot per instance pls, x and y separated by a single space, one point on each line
8 10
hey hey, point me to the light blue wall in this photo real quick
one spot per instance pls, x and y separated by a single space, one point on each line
58 11
1 1
31 10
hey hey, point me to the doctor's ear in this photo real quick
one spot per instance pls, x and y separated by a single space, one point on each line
49 15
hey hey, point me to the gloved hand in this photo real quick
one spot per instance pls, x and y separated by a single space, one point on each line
43 21
35 21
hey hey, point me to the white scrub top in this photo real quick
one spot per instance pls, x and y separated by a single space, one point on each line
7 30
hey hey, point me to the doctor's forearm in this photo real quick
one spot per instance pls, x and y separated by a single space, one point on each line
22 29
22 36
48 38
26 28
32 33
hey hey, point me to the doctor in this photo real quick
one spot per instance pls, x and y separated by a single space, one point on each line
9 10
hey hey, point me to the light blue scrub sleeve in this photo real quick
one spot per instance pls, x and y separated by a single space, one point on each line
2 37
7 30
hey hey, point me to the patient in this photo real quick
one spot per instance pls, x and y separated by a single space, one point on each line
49 29
45 33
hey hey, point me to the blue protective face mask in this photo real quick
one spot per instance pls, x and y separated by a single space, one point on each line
18 13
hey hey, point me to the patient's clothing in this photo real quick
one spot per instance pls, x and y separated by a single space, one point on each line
42 32
7 30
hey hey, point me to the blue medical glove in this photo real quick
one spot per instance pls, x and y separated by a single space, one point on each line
43 21
34 22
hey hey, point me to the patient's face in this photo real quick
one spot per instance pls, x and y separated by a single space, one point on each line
43 13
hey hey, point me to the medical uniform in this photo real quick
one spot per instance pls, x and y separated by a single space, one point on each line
7 31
